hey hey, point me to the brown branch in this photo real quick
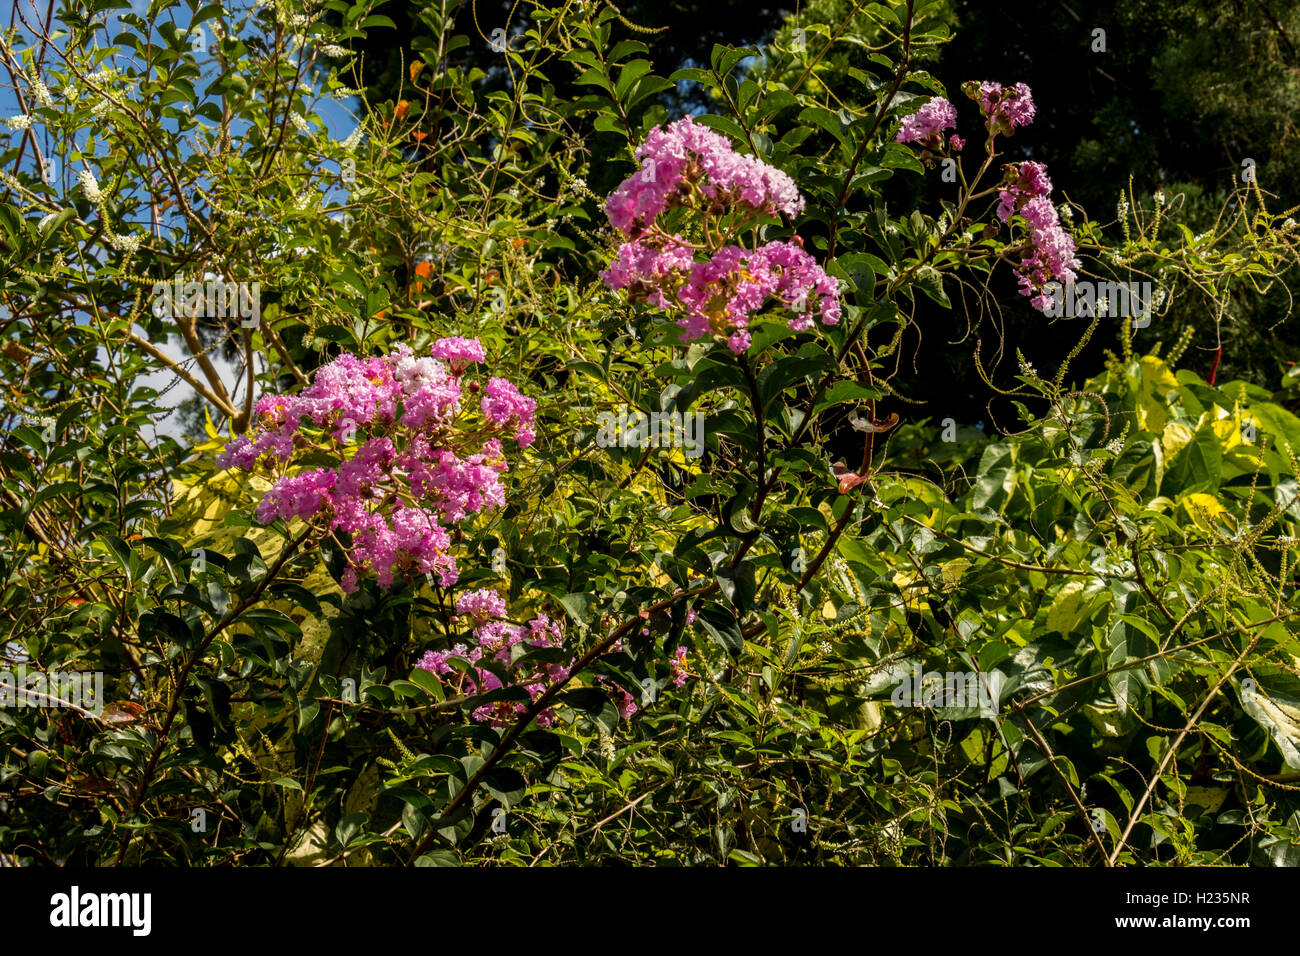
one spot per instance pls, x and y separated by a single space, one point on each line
223 404
187 326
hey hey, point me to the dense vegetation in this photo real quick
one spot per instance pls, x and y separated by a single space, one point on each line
402 585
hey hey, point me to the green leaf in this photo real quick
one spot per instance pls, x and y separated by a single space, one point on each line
842 392
578 606
1126 683
629 75
786 372
349 827
723 627
1197 466
439 858
930 281
428 681
738 586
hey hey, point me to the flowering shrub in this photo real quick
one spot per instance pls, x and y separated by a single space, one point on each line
379 603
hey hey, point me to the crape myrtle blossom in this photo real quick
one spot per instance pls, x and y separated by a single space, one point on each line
724 292
926 126
481 606
650 271
497 646
686 158
494 639
1026 181
623 701
688 165
428 463
1025 192
1051 254
458 353
1004 108
678 666
504 405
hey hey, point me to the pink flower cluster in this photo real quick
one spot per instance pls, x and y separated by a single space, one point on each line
1004 108
927 125
678 667
686 164
1025 181
623 701
410 479
686 160
495 639
723 293
1051 253
651 269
